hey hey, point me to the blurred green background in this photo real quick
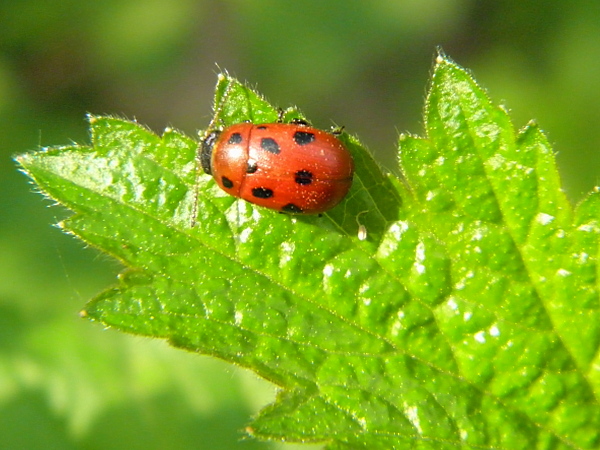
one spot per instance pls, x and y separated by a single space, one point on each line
67 383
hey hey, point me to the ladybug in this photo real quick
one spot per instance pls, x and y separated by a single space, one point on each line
289 167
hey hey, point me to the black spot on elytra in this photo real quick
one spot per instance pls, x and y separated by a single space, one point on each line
235 138
291 208
262 192
303 177
303 137
270 145
227 182
251 167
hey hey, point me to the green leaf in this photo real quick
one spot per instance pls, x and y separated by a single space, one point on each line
468 318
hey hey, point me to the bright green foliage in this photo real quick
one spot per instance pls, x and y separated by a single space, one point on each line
469 318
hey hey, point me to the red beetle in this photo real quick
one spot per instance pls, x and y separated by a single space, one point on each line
288 167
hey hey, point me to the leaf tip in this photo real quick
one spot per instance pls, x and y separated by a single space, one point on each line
531 130
83 314
20 159
441 57
24 162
